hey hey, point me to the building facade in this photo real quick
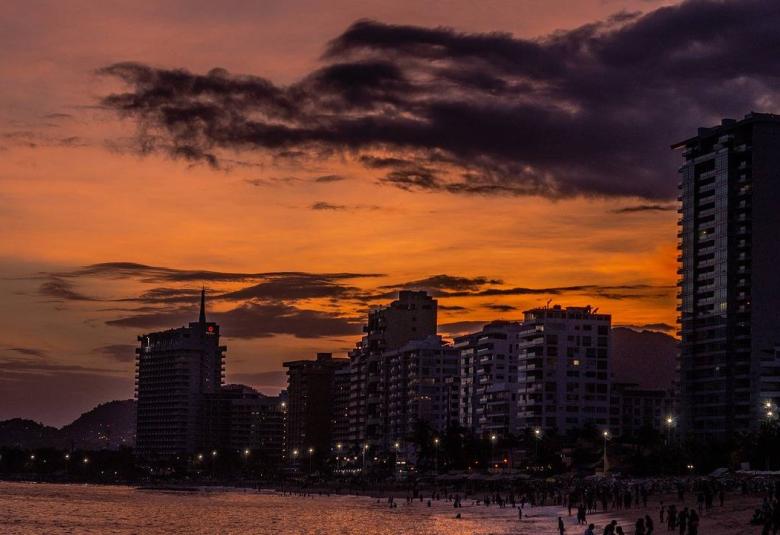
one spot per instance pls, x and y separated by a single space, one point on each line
411 317
311 408
176 370
488 402
420 388
564 369
729 289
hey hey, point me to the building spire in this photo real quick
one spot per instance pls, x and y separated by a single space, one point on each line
202 318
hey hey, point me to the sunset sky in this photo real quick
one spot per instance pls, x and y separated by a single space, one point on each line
497 153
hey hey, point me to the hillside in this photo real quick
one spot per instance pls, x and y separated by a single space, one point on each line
108 426
647 358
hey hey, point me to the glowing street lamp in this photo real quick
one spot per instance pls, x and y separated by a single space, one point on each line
669 425
365 449
605 434
311 453
436 445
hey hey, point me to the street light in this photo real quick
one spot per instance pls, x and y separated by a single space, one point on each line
365 448
669 425
538 436
606 464
311 453
493 439
436 445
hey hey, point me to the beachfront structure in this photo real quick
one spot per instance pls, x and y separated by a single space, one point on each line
420 388
241 419
410 317
311 391
175 372
488 402
635 410
729 288
563 366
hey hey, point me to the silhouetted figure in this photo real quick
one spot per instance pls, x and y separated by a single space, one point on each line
649 527
639 527
561 527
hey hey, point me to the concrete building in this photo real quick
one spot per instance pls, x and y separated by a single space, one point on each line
729 289
488 402
564 368
175 371
635 409
411 317
242 419
420 388
311 414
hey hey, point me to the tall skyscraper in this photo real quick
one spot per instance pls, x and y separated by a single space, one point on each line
175 372
729 244
564 368
410 317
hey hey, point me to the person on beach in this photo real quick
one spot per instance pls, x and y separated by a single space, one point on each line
661 513
693 523
671 519
639 527
561 527
682 520
649 527
619 531
590 529
609 529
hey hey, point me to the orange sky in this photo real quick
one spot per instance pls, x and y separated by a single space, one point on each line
70 197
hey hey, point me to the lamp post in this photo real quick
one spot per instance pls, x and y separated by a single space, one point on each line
311 454
436 447
669 425
493 439
538 437
606 464
293 456
396 446
365 448
338 455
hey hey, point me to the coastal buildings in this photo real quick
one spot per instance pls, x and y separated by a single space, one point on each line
488 402
564 368
241 419
729 289
311 409
420 388
635 410
411 317
176 370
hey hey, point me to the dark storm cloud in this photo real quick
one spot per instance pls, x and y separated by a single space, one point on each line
445 282
619 291
587 111
29 351
498 307
322 205
152 274
254 320
327 206
293 287
117 352
61 289
327 179
644 208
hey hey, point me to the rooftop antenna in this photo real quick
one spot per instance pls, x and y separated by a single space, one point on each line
547 305
202 318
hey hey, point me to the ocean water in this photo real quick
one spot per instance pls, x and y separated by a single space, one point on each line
29 508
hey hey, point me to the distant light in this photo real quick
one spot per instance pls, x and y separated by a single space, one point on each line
246 451
214 453
67 456
86 460
32 457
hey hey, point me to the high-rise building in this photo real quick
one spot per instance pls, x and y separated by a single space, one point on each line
419 388
634 410
564 369
489 379
311 410
729 289
241 419
411 317
175 372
